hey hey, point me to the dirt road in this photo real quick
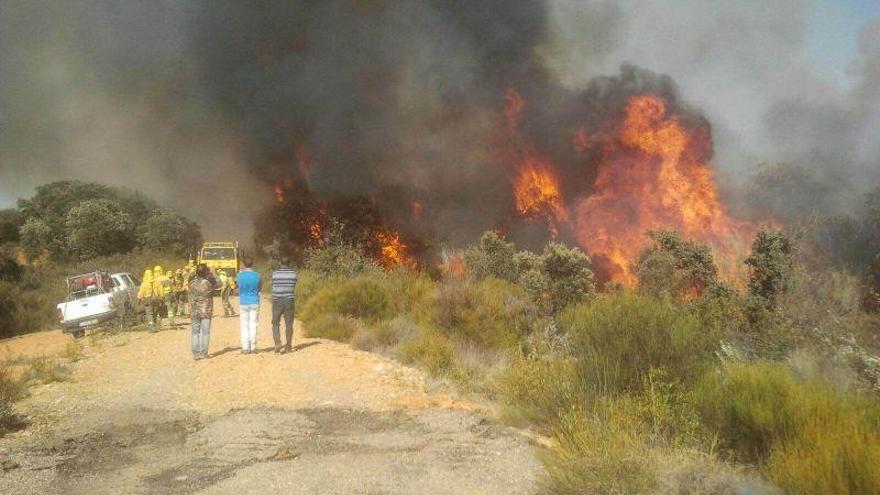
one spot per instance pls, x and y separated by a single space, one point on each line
139 415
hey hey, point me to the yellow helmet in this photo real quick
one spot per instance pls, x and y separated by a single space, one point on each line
148 275
158 270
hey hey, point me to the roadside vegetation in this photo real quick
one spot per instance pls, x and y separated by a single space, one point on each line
681 384
71 227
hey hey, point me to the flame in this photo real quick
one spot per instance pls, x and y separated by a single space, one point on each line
653 176
535 187
393 251
537 193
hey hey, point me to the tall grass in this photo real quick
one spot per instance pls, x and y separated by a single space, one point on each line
812 438
618 339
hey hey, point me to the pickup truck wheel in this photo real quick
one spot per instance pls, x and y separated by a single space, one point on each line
78 334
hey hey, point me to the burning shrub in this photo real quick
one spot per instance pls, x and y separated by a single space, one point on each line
675 266
619 339
771 264
492 257
811 439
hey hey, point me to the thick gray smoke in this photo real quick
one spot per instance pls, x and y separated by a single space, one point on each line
207 104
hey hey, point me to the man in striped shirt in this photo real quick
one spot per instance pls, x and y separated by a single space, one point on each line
283 286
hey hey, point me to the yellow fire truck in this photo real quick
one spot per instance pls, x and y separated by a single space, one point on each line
221 256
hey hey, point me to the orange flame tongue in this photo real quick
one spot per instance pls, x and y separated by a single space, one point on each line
653 177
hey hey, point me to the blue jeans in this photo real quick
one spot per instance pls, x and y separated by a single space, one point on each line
201 335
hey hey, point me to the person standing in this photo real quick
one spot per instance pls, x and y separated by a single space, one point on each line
201 299
227 287
148 297
283 286
249 286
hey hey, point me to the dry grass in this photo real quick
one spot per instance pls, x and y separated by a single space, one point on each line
45 370
333 326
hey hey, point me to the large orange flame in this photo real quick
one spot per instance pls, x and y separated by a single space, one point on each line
394 252
535 187
653 177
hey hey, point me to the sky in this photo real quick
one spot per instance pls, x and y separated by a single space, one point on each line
833 36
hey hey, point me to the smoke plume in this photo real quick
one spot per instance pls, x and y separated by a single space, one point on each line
208 105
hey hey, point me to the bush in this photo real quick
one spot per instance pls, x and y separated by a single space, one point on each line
385 334
569 275
771 264
537 391
492 257
365 297
10 222
810 438
338 260
492 313
36 238
619 339
675 266
429 349
600 453
46 370
333 326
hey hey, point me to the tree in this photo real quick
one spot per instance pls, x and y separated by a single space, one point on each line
569 275
771 264
167 231
10 223
36 237
98 227
675 266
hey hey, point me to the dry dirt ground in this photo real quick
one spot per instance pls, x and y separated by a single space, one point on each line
139 415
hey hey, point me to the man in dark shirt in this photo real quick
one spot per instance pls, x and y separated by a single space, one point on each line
201 296
283 287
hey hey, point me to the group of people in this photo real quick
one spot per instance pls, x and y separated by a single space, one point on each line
190 290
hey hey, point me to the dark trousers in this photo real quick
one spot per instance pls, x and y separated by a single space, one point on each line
285 307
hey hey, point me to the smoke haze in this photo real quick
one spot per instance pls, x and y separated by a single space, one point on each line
205 105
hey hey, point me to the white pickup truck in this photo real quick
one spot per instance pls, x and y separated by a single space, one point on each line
94 298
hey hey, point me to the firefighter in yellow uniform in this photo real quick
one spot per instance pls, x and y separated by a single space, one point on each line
180 287
227 286
163 288
150 298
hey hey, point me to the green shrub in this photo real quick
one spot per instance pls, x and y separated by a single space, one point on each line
365 297
771 264
338 260
385 334
429 349
491 312
46 370
618 339
537 391
491 257
569 275
600 453
675 266
333 326
810 438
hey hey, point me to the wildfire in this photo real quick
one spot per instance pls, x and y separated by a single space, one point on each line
393 251
653 175
535 187
537 193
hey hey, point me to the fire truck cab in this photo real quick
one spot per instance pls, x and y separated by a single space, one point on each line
221 257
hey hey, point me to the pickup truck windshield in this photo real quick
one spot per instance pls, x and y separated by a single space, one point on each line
218 254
